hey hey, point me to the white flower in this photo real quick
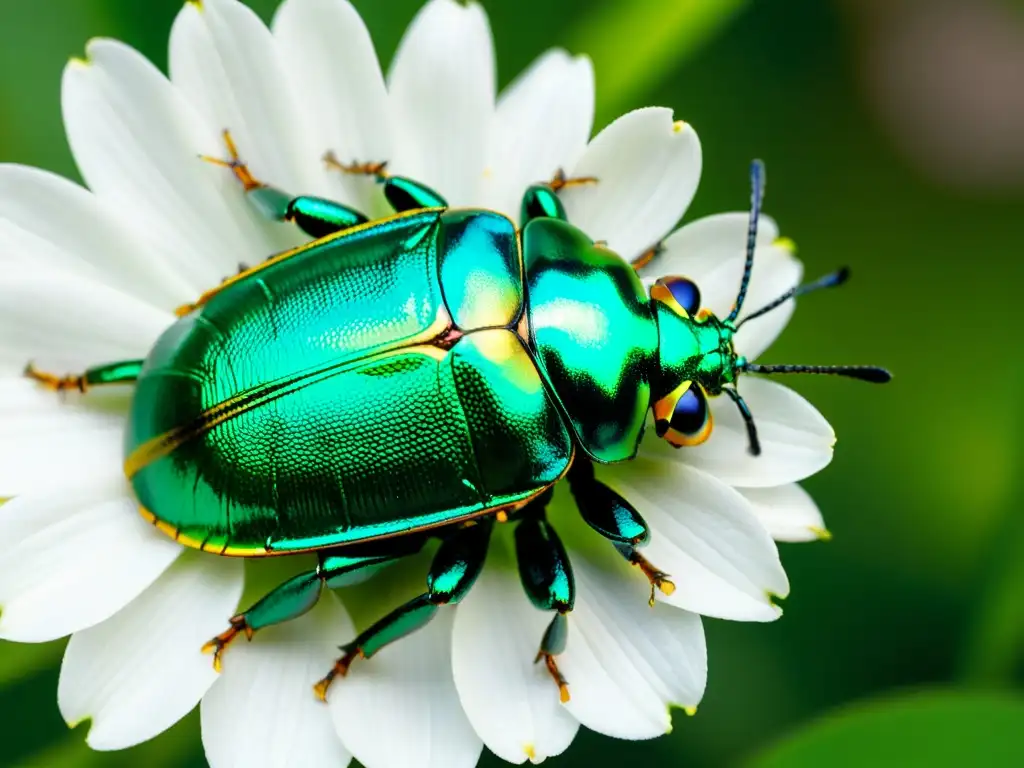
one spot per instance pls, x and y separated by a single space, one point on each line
94 276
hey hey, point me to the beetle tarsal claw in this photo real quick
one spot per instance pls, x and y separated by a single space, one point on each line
659 579
340 669
556 675
560 181
53 382
220 643
356 168
235 163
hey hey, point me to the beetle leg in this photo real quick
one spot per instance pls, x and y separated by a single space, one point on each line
560 181
300 593
402 194
453 571
124 372
315 216
648 256
546 575
615 518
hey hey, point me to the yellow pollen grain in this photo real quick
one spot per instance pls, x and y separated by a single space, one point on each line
691 711
822 534
679 126
531 752
786 244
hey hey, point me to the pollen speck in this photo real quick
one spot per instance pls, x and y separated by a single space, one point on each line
531 752
822 534
691 711
786 244
678 126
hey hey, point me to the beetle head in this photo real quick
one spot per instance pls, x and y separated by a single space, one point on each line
697 357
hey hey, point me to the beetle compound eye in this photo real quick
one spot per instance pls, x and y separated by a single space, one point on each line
680 293
682 417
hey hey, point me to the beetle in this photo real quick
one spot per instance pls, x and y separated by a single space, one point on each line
423 375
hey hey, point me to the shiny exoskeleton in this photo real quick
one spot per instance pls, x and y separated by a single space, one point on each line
419 376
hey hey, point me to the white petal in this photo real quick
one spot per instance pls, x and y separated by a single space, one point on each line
228 64
712 252
73 557
647 169
626 663
442 88
788 512
510 700
83 435
327 51
542 125
142 670
796 440
137 143
46 221
401 708
56 318
706 536
262 711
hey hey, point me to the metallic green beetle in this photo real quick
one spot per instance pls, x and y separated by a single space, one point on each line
419 376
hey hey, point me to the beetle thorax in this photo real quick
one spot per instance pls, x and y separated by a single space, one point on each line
696 349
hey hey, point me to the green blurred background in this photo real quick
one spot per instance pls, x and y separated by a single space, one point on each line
893 132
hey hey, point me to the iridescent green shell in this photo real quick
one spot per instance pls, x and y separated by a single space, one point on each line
371 384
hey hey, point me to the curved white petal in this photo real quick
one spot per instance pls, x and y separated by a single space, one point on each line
83 435
510 700
543 121
626 663
327 51
262 711
73 557
712 251
788 513
47 221
141 671
442 85
137 142
401 708
55 318
228 64
647 169
706 536
796 440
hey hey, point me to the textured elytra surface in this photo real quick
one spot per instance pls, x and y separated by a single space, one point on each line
320 400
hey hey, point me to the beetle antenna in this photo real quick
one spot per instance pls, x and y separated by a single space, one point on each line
863 372
757 181
832 280
748 419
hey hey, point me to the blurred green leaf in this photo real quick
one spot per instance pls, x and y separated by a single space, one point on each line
18 661
636 43
929 728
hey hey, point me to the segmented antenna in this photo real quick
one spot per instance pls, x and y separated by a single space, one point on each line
748 419
832 280
868 373
757 182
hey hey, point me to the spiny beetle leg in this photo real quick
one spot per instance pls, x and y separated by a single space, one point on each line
298 595
123 372
546 575
403 194
453 571
560 181
613 517
552 644
648 256
315 216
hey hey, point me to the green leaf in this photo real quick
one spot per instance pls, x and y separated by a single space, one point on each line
636 43
933 728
